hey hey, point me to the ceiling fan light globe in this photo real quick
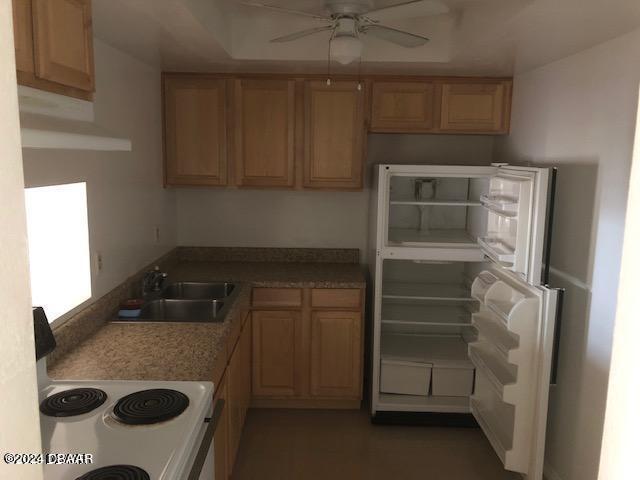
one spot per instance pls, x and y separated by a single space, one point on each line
346 49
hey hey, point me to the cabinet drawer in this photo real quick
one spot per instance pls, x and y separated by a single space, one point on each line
277 297
336 297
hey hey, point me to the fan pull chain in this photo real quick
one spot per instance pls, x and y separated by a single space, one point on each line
360 73
329 59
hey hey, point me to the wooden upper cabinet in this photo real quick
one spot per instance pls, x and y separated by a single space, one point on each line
476 107
274 352
334 135
195 131
264 112
336 354
63 42
23 35
402 107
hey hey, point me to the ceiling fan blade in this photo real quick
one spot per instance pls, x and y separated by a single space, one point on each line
399 37
406 10
288 11
303 33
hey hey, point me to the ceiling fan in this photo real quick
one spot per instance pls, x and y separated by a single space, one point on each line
349 19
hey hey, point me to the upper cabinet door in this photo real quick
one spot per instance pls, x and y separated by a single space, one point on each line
23 35
402 107
195 131
264 132
64 42
476 107
334 131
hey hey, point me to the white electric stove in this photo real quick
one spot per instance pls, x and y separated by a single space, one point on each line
132 430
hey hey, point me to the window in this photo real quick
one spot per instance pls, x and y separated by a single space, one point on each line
59 258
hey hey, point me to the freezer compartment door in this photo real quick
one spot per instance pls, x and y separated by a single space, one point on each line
516 206
513 356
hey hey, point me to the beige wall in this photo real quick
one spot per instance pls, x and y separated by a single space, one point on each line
579 114
251 218
126 200
19 426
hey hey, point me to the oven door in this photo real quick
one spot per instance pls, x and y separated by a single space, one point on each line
203 466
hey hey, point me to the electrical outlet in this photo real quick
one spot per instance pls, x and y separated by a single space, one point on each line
156 233
98 263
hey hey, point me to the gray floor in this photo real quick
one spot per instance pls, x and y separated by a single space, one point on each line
321 444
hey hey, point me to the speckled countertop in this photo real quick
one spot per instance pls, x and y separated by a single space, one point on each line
189 351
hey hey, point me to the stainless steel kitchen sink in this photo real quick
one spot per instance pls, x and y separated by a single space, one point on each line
181 310
198 290
188 302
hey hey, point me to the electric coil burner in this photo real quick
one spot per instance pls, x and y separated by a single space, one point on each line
179 448
116 472
73 402
150 406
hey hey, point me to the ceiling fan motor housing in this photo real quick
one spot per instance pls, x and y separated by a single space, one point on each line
354 7
346 27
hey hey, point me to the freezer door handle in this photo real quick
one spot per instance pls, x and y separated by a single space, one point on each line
213 422
556 337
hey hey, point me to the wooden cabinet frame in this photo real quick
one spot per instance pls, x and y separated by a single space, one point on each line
300 136
172 129
47 67
478 107
336 354
280 349
404 107
308 388
243 178
354 144
36 62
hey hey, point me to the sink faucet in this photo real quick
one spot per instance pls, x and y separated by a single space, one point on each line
152 281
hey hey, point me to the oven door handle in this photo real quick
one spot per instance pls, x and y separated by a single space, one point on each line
206 440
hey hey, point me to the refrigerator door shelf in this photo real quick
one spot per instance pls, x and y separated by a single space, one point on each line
498 250
500 205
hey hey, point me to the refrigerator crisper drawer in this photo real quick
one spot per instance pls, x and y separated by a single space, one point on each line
452 381
405 378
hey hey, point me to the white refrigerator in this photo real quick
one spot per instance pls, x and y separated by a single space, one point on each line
463 320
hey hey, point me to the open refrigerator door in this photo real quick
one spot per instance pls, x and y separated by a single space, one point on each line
512 356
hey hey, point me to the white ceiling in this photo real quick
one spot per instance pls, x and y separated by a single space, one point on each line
478 37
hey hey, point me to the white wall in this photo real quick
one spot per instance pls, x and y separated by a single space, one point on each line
579 114
622 421
263 218
125 195
19 426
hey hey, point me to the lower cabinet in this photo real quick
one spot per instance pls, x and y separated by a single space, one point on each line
235 389
274 352
303 348
308 356
239 391
245 368
336 363
220 440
